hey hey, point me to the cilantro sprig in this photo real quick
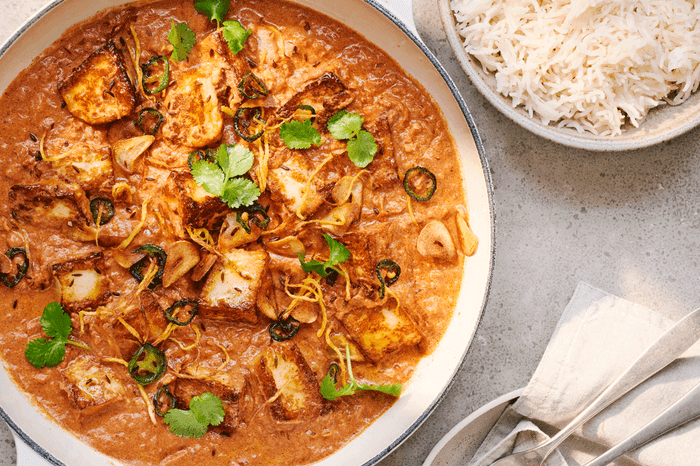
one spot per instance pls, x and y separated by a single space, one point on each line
330 392
49 352
233 32
182 38
361 145
223 178
338 254
205 410
299 135
215 10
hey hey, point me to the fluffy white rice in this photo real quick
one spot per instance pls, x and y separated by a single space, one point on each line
592 65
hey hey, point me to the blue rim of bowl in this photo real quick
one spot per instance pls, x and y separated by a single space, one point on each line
489 188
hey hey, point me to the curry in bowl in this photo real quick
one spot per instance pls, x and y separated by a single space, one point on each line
231 232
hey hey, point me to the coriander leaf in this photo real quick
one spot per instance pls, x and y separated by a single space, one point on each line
339 253
208 409
240 192
42 352
345 125
362 149
329 392
209 176
389 389
215 10
312 265
299 135
235 160
182 39
184 423
55 322
235 35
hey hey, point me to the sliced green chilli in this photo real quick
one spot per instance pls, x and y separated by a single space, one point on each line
150 76
283 330
147 365
12 281
333 371
392 275
163 399
254 211
197 155
244 118
101 208
152 251
141 123
419 174
252 87
186 305
308 108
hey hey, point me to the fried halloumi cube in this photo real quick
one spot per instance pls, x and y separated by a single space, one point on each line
49 205
327 95
231 288
195 205
99 90
89 384
183 390
90 167
82 284
288 183
285 376
381 330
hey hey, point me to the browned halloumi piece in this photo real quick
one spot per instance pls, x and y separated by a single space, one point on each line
91 385
194 116
197 207
99 90
231 288
288 183
49 205
381 330
327 95
282 368
90 167
82 285
183 390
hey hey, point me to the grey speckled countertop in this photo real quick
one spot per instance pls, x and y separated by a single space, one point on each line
625 222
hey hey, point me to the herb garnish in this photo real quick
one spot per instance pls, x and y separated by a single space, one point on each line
42 352
215 10
223 178
182 39
299 135
205 410
329 392
361 145
338 254
235 35
233 32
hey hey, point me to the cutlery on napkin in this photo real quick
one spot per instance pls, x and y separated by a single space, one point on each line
597 337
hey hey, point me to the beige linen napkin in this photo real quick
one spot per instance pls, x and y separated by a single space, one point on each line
596 339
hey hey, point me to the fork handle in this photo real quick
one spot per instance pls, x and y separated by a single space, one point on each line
661 353
681 412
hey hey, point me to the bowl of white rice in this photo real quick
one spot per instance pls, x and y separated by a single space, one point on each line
603 75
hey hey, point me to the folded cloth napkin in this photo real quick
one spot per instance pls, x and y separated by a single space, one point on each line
596 339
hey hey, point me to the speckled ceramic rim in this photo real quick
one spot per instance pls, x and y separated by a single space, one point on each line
489 188
662 124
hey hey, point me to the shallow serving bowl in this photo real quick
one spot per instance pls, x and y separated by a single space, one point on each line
435 373
661 124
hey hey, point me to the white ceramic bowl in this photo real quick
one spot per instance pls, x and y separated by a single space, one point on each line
458 446
661 124
435 373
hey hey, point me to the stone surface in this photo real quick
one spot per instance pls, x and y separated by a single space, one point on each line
625 222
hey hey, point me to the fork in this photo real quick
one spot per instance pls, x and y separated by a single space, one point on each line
660 354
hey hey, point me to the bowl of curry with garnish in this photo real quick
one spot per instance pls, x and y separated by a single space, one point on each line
233 232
